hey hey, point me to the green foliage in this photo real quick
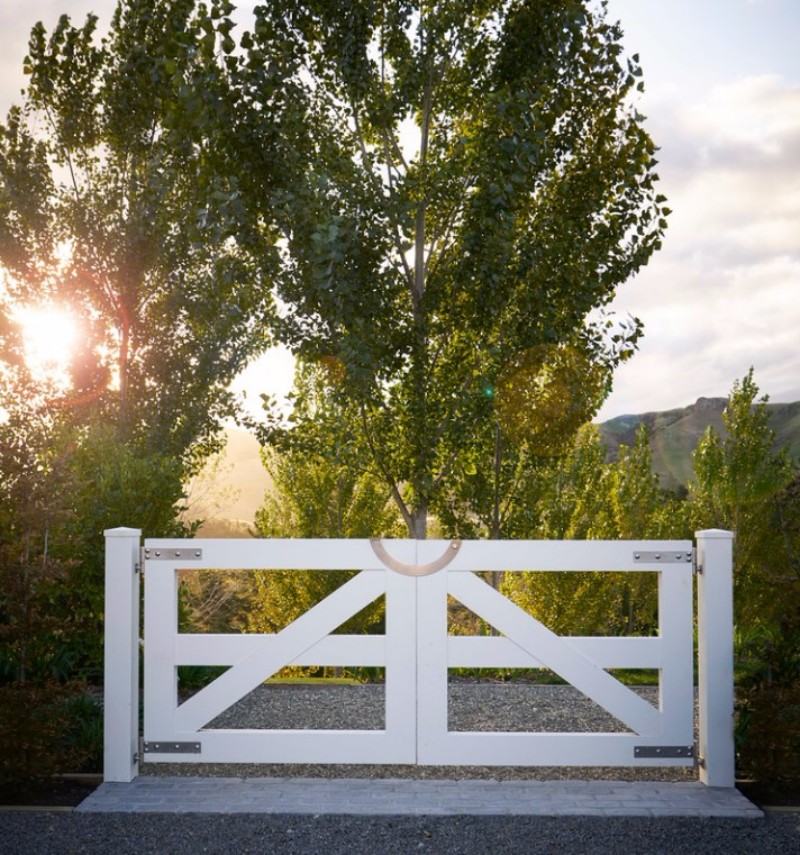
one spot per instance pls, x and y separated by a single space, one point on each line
112 202
328 486
768 700
768 734
34 503
768 662
737 481
61 486
584 497
111 481
541 400
81 737
35 740
72 488
447 207
214 601
317 496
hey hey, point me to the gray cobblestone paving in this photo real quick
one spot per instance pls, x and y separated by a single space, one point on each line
388 797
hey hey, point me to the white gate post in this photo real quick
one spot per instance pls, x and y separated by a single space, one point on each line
121 666
715 656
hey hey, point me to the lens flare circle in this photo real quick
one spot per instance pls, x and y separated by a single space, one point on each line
545 393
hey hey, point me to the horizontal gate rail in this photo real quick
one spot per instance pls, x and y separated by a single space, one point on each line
417 578
498 652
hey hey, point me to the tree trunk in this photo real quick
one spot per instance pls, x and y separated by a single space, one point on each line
418 529
497 575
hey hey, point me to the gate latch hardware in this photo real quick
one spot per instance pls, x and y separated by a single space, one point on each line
152 554
414 569
663 751
172 748
664 557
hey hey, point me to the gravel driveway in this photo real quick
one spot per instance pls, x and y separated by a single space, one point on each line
472 706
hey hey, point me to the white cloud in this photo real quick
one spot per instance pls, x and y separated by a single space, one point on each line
724 293
752 110
17 18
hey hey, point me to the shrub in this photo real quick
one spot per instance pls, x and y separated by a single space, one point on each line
34 717
768 708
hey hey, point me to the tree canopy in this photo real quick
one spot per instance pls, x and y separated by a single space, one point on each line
464 181
116 202
113 200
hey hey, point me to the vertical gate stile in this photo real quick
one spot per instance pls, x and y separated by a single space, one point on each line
121 655
676 672
160 667
400 682
715 656
431 665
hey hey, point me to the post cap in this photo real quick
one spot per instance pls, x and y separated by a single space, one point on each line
715 533
123 532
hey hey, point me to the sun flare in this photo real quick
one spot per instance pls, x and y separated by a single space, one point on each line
49 335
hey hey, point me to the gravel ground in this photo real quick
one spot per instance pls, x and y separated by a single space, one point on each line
472 707
64 834
512 707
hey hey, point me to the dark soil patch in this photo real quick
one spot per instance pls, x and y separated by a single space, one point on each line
768 794
57 792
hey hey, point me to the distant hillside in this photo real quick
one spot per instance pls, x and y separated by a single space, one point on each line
236 489
674 434
232 490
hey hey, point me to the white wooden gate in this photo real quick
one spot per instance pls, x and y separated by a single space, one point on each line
416 578
525 642
254 658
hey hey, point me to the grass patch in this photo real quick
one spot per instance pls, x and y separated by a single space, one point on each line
635 676
312 681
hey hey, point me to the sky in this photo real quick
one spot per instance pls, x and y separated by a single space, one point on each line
722 102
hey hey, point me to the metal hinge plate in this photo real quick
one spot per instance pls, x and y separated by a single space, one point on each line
152 554
172 748
663 557
663 751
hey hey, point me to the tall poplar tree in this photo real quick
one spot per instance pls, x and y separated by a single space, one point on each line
116 202
465 180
